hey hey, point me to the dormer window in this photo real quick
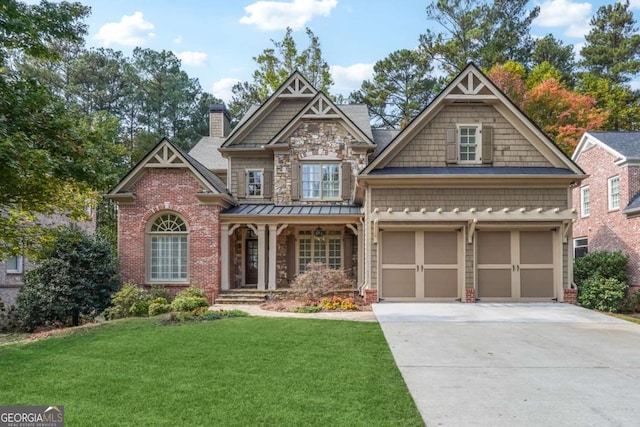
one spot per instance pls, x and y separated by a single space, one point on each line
254 183
321 181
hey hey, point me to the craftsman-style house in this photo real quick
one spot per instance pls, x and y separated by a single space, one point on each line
471 201
608 201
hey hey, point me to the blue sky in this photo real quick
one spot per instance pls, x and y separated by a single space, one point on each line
216 39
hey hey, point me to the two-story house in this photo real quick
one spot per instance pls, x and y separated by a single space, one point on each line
470 201
609 200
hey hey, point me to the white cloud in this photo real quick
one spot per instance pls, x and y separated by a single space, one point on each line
194 59
222 88
272 15
561 13
132 30
350 78
177 40
634 4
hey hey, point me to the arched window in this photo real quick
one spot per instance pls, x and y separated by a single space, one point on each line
168 249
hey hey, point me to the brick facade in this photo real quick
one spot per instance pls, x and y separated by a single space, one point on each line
171 191
609 230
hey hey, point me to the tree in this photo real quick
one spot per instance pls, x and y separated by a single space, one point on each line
617 99
401 87
477 31
563 114
275 65
612 48
510 79
552 51
74 281
543 72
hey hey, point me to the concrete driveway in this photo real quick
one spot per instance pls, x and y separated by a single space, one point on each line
515 364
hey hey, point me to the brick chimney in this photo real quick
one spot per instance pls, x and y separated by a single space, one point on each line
219 121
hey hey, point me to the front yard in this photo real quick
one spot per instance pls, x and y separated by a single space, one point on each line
239 371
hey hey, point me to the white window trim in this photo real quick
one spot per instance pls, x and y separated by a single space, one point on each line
246 190
147 259
321 198
575 246
610 193
19 264
478 127
326 229
585 212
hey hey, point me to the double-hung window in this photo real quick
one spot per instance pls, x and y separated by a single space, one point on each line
614 192
469 143
321 181
323 247
580 247
254 183
585 203
168 249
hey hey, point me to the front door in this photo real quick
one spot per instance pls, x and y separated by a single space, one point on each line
251 262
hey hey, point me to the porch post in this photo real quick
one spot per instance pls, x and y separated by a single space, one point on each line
273 235
360 278
261 257
224 257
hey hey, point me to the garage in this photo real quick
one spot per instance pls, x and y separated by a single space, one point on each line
421 264
515 265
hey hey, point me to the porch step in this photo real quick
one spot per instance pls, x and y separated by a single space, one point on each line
239 296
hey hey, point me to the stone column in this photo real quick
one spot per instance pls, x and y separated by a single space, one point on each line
224 257
273 247
261 257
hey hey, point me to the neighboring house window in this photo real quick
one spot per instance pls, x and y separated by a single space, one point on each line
585 208
168 249
321 181
614 193
469 140
254 183
319 246
580 247
14 264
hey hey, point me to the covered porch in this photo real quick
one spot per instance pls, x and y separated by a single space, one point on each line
265 246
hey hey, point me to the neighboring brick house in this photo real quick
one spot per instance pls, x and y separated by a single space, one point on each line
12 270
470 201
609 200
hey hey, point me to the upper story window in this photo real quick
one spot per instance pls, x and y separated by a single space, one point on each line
254 183
168 249
585 204
14 265
469 143
321 181
614 192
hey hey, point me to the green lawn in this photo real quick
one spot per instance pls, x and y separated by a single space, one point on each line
239 371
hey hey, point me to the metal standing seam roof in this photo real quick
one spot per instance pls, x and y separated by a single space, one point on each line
625 143
471 171
269 209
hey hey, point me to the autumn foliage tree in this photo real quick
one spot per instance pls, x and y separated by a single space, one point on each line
563 114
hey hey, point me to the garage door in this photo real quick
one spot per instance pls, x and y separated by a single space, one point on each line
515 265
420 265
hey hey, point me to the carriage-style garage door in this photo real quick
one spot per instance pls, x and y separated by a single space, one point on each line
515 265
421 265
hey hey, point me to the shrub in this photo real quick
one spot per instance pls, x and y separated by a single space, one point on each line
74 281
159 306
188 303
123 301
632 302
604 264
139 309
337 303
9 321
319 281
158 291
599 293
308 309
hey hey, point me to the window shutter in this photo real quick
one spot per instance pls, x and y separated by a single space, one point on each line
295 180
487 145
451 147
291 257
346 180
267 185
348 254
241 183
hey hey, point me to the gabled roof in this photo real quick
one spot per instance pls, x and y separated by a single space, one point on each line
296 86
321 107
166 155
471 85
206 152
624 146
